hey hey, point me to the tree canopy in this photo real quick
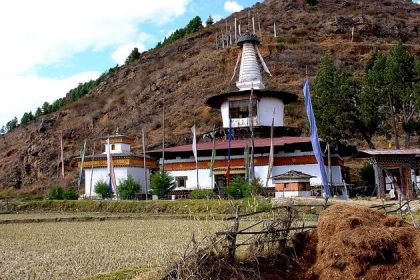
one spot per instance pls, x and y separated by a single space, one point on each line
384 101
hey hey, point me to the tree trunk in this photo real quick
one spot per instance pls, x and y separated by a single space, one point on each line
394 123
407 143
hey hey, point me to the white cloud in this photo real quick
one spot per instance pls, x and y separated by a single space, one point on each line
232 6
46 32
217 18
26 93
122 52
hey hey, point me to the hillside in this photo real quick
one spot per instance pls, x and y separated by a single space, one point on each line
185 73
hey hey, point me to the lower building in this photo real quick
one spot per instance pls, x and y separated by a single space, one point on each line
290 153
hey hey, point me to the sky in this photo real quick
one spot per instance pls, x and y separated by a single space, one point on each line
48 47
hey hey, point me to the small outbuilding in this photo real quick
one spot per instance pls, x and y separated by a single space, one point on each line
291 184
397 172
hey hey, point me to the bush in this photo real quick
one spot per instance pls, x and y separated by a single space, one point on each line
238 188
102 188
367 174
128 188
71 194
203 194
161 183
56 193
256 186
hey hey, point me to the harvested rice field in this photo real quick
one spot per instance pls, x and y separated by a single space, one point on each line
73 250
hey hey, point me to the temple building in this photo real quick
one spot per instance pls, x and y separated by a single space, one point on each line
260 144
117 159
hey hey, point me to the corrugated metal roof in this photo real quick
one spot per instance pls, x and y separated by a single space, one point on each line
390 152
241 143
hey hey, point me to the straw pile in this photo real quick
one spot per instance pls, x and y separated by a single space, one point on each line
356 242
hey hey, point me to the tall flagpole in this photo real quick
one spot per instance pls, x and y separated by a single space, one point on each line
194 147
271 156
163 142
81 167
251 126
144 161
62 156
213 156
91 173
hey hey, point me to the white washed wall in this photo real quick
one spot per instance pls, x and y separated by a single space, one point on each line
261 172
121 173
266 105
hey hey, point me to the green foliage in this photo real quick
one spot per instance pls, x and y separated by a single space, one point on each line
256 186
194 25
367 174
161 183
134 55
56 193
393 80
128 188
238 188
335 100
38 112
71 194
26 118
203 194
102 188
12 124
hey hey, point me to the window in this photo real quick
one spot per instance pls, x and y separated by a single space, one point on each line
239 109
112 147
181 181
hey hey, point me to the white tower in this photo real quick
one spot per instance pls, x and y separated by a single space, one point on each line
240 108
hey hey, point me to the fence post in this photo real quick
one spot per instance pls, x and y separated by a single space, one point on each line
231 237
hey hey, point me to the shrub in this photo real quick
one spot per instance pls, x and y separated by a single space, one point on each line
128 188
367 174
56 193
238 188
256 186
102 188
203 194
161 183
71 194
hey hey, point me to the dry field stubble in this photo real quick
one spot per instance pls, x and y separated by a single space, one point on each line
71 250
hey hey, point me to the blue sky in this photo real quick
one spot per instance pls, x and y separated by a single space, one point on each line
50 46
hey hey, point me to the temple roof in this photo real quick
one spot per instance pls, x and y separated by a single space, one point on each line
235 144
292 174
389 152
217 100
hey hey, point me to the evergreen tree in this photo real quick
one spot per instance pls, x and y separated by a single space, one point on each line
38 112
337 98
401 76
161 183
134 55
12 124
128 188
194 25
45 108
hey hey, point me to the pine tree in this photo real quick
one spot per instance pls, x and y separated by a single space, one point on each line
134 55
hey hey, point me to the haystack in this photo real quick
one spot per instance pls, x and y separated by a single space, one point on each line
356 242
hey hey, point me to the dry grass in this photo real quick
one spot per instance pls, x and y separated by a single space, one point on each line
83 249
